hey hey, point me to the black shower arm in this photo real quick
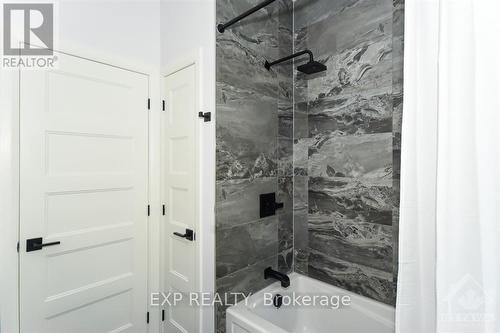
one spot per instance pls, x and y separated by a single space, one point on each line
223 26
268 65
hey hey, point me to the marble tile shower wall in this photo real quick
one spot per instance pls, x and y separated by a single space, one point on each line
328 144
254 147
347 125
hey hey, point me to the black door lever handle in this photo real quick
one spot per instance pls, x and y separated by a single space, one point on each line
35 244
189 235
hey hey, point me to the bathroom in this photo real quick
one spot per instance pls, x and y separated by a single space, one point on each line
250 166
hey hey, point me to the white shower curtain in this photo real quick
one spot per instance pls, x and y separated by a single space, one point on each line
449 261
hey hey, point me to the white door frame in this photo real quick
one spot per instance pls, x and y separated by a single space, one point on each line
205 78
9 200
9 181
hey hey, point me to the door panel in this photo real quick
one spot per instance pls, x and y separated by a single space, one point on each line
83 174
180 183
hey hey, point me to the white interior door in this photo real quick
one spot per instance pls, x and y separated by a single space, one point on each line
83 174
180 186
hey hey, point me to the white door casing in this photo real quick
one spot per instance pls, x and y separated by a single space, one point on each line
83 182
180 183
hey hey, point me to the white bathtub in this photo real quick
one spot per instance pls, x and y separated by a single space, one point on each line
363 315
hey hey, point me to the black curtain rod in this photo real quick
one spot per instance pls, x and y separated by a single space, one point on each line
295 55
223 26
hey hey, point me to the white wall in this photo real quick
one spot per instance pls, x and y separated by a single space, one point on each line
185 25
128 29
188 26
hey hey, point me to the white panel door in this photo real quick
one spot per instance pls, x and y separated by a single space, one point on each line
180 184
83 174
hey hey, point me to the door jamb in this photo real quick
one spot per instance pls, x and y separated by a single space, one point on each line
9 201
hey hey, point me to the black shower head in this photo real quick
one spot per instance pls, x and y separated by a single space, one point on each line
312 67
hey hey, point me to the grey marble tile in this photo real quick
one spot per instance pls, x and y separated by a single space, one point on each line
308 12
285 157
285 29
247 280
254 144
300 125
300 121
398 18
397 120
285 194
351 200
354 96
285 8
395 237
342 127
362 113
246 137
397 64
237 201
300 193
360 279
243 48
300 230
398 82
301 261
300 156
397 92
362 243
285 231
236 63
285 85
300 39
285 261
245 245
285 215
357 156
300 91
398 61
350 143
265 20
365 22
396 165
299 79
285 70
285 118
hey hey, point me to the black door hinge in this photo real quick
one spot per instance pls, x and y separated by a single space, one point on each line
163 105
162 315
163 210
17 247
207 116
149 210
149 103
147 317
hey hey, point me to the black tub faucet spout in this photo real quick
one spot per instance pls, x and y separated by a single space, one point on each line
283 278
